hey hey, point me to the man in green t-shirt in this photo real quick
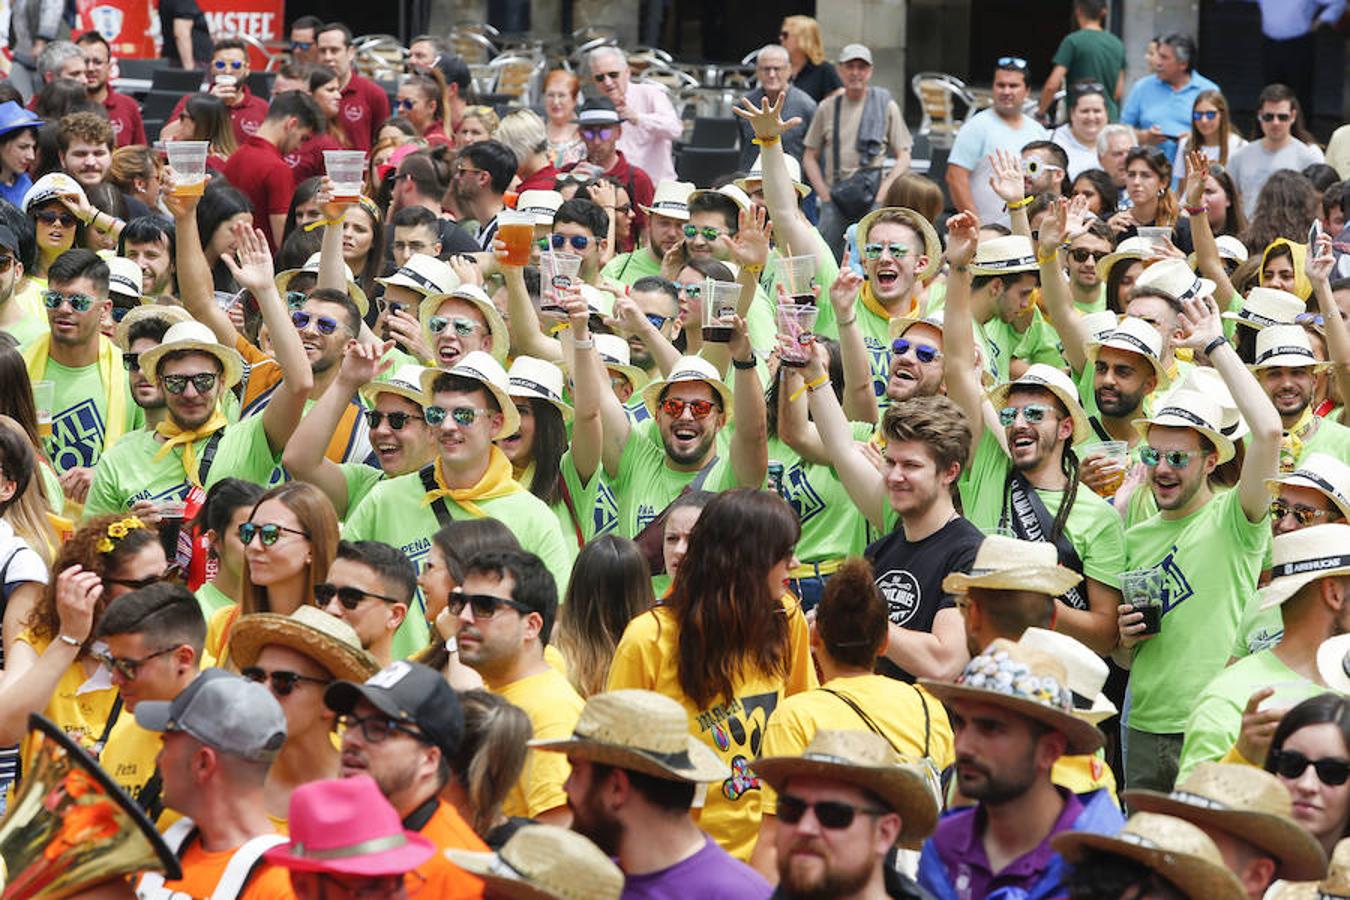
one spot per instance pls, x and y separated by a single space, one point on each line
15 317
1207 547
1240 708
1016 335
1090 54
141 330
1285 366
665 221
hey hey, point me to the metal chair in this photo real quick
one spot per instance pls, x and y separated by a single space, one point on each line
938 93
520 77
472 46
269 59
379 56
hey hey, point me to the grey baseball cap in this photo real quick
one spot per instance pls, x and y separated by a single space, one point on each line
855 51
225 712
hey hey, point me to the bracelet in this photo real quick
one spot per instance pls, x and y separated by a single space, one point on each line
1025 201
753 269
1049 257
1215 344
765 142
584 343
67 639
744 364
810 386
320 223
842 324
1197 210
452 644
93 220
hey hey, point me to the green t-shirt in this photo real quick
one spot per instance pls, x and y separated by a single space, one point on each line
392 512
1260 630
51 483
80 416
832 526
211 599
1216 720
1093 55
1038 344
1210 562
360 479
645 484
128 472
595 502
1093 527
629 267
1331 438
1097 304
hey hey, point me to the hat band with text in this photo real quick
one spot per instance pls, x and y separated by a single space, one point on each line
1309 475
1186 415
1287 350
1136 343
1302 566
1249 315
1000 264
1192 799
417 278
528 385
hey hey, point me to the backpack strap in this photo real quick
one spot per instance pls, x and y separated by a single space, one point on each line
243 865
178 837
438 506
209 455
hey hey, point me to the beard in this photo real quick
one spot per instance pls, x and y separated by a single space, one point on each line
814 878
1119 405
606 832
995 788
693 455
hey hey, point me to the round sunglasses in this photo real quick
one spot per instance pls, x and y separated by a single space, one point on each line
268 533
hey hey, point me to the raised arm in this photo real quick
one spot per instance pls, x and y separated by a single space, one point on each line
1320 262
527 338
1006 181
860 399
958 332
1064 222
588 435
628 319
750 438
1202 236
780 196
860 478
195 286
749 249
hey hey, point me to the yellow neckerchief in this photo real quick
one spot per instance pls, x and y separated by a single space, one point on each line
1291 441
175 435
110 372
496 482
873 305
1298 254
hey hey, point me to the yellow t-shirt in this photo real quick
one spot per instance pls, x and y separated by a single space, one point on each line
553 706
82 716
217 634
647 658
895 707
129 758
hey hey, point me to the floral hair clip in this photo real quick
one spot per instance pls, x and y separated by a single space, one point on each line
116 532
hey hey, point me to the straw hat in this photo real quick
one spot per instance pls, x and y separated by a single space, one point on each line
482 368
1172 847
1040 375
1230 248
688 368
543 205
1193 410
1131 248
1207 381
406 382
732 192
1133 335
1087 673
1336 886
1006 255
932 247
52 186
124 277
1100 323
1285 345
473 294
643 731
866 760
617 357
1247 802
311 267
756 175
671 200
1305 555
901 324
1325 474
193 335
1027 682
324 638
423 274
530 377
544 862
1264 307
1008 564
1333 663
170 314
1175 279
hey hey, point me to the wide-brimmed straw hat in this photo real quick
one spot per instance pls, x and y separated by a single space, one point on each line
617 357
1229 248
730 191
1304 555
1133 335
899 325
1086 670
1287 346
483 368
1174 848
1131 248
1007 564
643 731
1333 663
1207 381
311 267
124 277
1040 375
1024 681
1264 307
1175 279
406 382
543 205
1336 886
671 200
544 862
1247 802
423 274
932 247
1193 410
539 378
756 175
1007 255
688 368
324 638
193 335
1100 323
867 760
478 298
1323 473
171 315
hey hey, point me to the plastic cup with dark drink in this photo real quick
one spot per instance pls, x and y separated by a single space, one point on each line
171 513
798 277
719 306
795 322
1142 590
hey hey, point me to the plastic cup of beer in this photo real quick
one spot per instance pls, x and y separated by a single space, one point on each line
719 306
345 168
188 161
1142 589
798 276
1117 455
516 231
558 272
44 398
795 321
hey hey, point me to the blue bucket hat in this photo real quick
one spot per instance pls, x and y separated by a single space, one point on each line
13 117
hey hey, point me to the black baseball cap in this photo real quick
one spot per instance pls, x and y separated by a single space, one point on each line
408 692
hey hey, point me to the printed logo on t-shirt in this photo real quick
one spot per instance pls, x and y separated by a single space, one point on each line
800 495
737 729
902 593
249 127
646 513
1176 588
605 513
117 126
354 113
879 357
177 492
417 552
77 436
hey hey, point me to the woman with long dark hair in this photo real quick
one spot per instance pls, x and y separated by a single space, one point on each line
609 587
1212 132
323 87
205 118
1286 208
536 449
1313 736
228 505
422 99
16 402
1148 180
221 206
728 644
1102 194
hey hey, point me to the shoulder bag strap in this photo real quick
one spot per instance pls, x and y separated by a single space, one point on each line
571 511
178 837
209 455
1030 520
834 138
438 506
872 726
108 727
243 864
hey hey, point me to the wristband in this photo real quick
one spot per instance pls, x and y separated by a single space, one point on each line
1215 344
67 639
1049 257
1025 201
842 324
744 364
765 142
584 343
320 223
1197 210
809 386
753 269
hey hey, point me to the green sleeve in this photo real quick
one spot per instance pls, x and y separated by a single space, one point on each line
1211 731
360 479
51 483
105 496
244 452
359 524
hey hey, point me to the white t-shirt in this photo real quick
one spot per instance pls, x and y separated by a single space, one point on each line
1081 156
982 134
1210 150
1252 166
19 561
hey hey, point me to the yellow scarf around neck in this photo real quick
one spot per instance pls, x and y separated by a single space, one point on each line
873 305
175 436
496 482
1291 441
110 372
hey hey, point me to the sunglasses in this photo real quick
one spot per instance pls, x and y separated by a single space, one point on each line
602 77
295 299
1033 167
462 415
1303 515
349 597
874 251
203 382
125 666
834 815
396 419
1012 62
1307 318
484 606
405 103
172 574
1204 115
234 65
54 217
269 533
693 290
924 353
301 45
1291 764
578 241
709 233
657 319
463 327
376 728
675 407
325 324
1089 87
131 361
283 682
1082 254
1176 459
596 134
1032 414
119 313
1276 117
78 302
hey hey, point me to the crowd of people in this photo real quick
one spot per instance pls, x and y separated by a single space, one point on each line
533 523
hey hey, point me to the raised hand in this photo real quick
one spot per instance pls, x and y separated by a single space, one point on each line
77 593
252 262
404 328
673 261
578 312
467 270
1054 227
1199 322
333 210
362 363
1258 727
844 293
628 317
1006 179
739 345
766 119
1321 260
750 246
179 206
1078 218
963 238
603 194
1197 170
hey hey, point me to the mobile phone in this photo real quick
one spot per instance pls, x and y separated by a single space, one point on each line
1314 234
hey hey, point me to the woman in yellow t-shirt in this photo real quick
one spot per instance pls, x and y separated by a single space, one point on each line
850 633
728 643
50 664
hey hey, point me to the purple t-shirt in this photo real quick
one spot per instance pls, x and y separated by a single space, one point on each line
710 874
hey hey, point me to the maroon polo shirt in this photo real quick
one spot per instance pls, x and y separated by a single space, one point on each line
258 170
364 107
125 115
543 180
638 184
246 117
307 161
